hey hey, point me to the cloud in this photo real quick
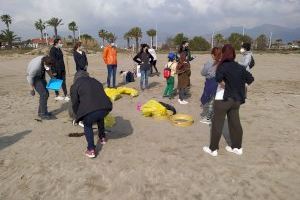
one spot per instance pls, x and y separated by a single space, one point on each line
172 16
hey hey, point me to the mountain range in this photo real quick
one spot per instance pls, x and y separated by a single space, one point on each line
278 32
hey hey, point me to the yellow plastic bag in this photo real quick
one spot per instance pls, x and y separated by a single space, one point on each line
154 108
112 93
130 91
109 121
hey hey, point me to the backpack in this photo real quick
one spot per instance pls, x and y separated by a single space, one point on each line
252 63
129 77
167 71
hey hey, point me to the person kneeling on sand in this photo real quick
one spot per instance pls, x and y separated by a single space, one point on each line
235 77
36 72
90 104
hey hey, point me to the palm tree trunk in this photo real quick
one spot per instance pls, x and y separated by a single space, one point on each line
137 44
41 34
103 41
7 25
74 37
55 31
151 41
128 43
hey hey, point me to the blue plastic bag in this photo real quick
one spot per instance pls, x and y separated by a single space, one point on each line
54 84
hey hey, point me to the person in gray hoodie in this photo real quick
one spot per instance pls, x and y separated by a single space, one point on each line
36 72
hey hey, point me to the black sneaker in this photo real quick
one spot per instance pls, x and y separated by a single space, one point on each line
47 117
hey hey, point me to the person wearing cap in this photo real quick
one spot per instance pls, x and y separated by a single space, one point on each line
172 64
110 59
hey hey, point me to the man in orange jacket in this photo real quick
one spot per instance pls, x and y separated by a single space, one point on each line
110 59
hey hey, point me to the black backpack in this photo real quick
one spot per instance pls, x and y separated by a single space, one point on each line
252 62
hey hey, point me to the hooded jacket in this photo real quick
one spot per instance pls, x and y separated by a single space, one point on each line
88 95
110 55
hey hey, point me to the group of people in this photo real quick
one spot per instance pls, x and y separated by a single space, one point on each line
224 91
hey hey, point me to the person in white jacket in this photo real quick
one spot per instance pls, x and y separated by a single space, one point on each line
247 56
153 53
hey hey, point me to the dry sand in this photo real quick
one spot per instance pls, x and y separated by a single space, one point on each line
149 159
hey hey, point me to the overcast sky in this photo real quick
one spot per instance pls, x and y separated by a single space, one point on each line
193 17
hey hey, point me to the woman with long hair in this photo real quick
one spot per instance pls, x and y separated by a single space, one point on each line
144 59
235 77
80 57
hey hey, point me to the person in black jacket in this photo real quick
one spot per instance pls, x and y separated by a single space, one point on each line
90 104
80 57
144 59
235 77
59 70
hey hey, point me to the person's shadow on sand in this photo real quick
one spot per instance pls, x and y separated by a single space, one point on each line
122 128
6 141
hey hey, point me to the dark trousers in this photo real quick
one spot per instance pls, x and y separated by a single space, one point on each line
111 73
182 94
40 87
88 121
62 76
231 109
153 66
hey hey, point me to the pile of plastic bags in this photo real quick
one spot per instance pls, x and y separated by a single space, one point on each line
115 94
109 121
154 109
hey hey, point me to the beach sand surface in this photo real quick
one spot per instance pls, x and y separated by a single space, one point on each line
146 158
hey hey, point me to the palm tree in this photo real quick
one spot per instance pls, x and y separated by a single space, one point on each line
40 25
136 32
9 37
102 34
110 37
151 33
219 39
128 38
73 27
6 19
54 22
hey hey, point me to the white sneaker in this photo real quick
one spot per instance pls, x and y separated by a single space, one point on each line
67 99
183 102
212 153
59 98
205 121
235 150
81 124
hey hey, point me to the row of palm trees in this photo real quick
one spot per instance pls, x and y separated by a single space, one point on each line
7 36
55 23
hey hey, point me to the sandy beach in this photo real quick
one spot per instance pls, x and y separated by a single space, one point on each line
146 158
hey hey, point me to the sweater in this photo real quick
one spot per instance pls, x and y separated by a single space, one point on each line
88 95
144 59
80 60
235 77
35 70
58 57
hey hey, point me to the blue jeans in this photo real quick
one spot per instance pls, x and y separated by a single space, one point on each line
144 79
111 72
88 120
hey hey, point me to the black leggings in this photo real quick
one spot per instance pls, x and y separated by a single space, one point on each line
154 66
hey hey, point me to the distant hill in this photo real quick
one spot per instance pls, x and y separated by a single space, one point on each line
279 32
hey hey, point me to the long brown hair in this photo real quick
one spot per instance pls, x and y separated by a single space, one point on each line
76 46
228 53
217 53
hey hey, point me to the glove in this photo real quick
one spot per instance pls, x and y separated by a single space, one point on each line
32 92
